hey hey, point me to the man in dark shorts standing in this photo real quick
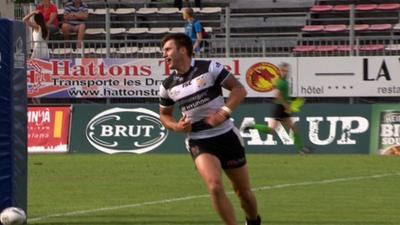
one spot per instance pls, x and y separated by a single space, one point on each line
213 141
281 112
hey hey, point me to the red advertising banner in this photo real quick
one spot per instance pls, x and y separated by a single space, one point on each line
48 129
135 78
141 78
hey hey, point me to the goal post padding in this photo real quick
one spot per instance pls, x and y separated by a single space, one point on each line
13 115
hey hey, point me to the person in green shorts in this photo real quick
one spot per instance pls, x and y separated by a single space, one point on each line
281 112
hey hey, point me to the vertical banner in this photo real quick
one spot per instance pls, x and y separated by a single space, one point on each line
48 129
13 101
385 133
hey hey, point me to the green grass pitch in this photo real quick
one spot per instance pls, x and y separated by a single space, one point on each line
158 189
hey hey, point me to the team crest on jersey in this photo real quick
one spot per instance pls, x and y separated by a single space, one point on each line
174 92
201 81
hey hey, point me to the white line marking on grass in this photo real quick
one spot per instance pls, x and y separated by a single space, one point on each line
279 186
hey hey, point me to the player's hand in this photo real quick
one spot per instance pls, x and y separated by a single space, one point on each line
183 125
217 118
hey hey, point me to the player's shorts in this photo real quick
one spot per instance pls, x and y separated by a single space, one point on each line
227 147
279 112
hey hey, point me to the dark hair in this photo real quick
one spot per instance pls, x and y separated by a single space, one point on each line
181 40
39 19
189 11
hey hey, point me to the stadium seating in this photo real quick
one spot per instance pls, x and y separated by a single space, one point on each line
335 28
389 6
321 8
337 49
366 7
146 11
341 8
325 48
304 48
168 11
358 7
140 30
124 11
312 28
380 27
361 27
376 47
94 31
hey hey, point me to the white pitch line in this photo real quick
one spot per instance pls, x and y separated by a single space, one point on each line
279 186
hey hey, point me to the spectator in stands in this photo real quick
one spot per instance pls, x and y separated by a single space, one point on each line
40 34
193 29
178 3
75 15
50 13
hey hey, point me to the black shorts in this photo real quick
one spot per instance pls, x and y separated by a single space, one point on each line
227 147
279 112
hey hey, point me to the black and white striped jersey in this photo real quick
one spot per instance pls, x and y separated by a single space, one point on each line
198 94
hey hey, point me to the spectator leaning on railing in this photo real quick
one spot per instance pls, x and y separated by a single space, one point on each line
75 15
49 12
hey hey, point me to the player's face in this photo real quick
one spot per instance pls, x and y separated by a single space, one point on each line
172 54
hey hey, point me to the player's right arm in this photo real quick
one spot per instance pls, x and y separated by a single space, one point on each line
169 122
166 114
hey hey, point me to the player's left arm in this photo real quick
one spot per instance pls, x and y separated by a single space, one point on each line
237 95
237 92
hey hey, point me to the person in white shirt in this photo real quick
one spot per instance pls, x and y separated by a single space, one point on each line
40 35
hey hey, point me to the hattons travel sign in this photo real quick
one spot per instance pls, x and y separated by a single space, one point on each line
125 130
262 76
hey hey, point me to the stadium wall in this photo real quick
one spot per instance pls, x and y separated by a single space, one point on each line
325 128
328 128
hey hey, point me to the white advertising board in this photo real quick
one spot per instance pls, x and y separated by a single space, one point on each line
348 76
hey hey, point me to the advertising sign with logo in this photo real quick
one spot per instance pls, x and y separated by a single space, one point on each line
325 128
259 75
141 78
344 76
120 129
94 78
48 129
385 133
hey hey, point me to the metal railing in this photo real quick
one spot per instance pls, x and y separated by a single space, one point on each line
228 46
237 47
